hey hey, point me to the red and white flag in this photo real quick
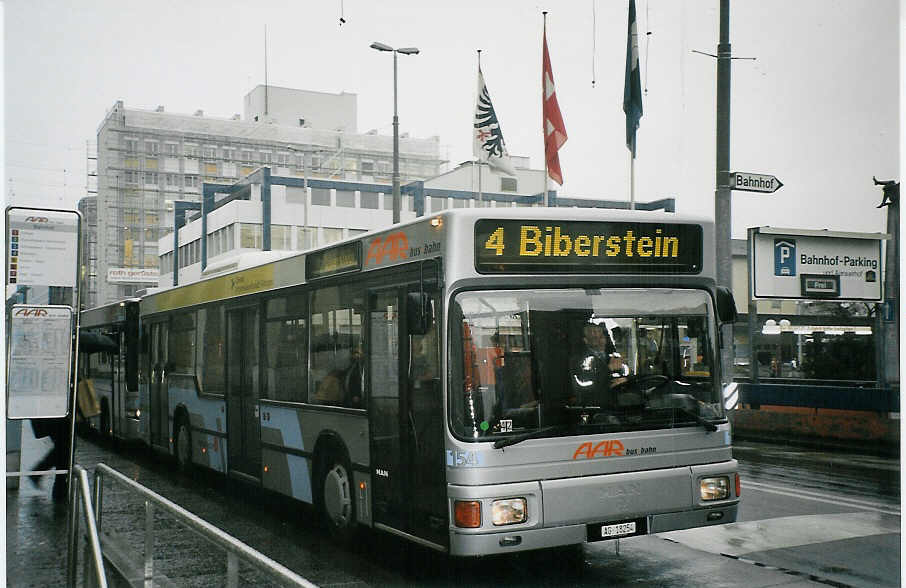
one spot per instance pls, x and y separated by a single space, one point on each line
554 129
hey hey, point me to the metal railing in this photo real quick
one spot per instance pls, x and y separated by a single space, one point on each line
235 549
79 492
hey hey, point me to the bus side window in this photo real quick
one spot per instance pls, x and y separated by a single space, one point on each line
337 372
286 349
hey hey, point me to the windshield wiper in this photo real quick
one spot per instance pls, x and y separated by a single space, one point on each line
501 443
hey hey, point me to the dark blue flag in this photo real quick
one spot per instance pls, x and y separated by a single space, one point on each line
632 88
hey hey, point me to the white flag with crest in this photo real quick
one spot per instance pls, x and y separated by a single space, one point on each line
487 142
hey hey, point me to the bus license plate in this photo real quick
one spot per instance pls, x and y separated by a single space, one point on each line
617 530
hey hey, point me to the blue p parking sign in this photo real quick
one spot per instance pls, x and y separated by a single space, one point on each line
784 257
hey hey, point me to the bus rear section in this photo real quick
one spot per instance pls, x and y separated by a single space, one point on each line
583 414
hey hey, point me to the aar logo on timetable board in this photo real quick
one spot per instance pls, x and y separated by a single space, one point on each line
784 257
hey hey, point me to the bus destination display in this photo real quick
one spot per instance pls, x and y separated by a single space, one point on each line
511 246
337 260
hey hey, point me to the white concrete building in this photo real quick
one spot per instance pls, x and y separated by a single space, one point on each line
147 160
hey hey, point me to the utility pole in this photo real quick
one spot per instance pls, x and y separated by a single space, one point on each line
887 337
722 209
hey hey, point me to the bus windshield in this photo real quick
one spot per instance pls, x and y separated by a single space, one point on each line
575 361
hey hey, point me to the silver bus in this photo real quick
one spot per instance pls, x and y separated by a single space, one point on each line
479 381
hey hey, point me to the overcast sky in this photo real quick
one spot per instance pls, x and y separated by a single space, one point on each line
818 107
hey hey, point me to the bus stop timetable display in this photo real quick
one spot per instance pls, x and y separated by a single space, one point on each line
505 246
40 346
42 248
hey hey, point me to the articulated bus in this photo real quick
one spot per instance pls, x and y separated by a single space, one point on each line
108 345
480 381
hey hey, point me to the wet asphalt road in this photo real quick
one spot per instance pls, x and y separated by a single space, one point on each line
807 518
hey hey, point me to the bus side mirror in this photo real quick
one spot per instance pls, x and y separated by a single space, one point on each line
419 313
726 306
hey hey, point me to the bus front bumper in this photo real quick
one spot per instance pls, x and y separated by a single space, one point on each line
479 544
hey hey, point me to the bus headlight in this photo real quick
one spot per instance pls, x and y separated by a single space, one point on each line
509 511
714 488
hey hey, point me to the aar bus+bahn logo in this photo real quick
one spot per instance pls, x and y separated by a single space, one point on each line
393 247
31 312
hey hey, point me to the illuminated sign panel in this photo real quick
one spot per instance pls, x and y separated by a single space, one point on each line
510 246
337 260
820 286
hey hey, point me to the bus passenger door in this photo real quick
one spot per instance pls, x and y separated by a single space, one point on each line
425 450
160 421
243 425
409 488
388 473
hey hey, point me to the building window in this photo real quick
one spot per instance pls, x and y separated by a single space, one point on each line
305 237
320 196
170 148
249 236
331 235
369 200
191 150
280 158
315 163
367 167
131 145
152 147
508 184
131 177
281 237
246 155
170 180
228 153
346 198
150 178
265 157
208 153
150 163
191 181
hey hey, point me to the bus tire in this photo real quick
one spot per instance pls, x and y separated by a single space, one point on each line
336 496
182 442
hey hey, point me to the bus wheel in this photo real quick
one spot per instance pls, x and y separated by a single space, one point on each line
182 443
337 504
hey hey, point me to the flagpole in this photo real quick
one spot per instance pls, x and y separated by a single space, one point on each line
480 196
631 181
544 195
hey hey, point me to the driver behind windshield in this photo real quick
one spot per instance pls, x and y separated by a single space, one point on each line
596 368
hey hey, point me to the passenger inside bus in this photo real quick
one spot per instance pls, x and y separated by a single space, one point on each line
354 379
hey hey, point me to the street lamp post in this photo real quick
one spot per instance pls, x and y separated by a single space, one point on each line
396 126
